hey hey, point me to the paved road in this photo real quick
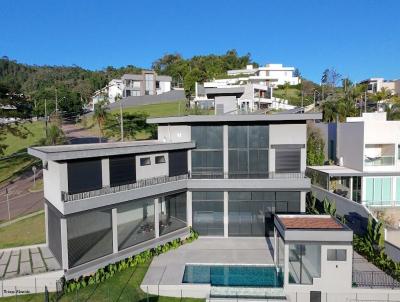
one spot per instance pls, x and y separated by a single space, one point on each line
21 201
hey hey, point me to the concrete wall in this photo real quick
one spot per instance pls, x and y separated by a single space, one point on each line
55 180
153 170
350 144
229 104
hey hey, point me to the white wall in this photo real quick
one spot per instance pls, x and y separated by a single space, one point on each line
350 144
174 133
164 87
55 180
153 170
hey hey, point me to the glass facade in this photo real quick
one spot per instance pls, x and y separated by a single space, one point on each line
281 253
207 158
304 263
208 213
89 236
248 151
172 213
135 222
251 213
378 190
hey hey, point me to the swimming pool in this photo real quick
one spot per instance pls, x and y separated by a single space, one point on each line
233 275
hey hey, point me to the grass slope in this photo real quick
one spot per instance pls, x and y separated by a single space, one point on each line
25 232
158 110
124 286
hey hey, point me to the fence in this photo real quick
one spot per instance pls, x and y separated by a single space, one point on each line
374 279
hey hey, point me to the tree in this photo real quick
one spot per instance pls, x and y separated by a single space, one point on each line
315 146
100 115
14 107
55 136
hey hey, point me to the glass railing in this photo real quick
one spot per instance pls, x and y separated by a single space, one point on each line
379 161
246 175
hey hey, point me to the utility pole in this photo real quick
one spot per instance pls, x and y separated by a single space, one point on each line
45 115
365 101
8 205
121 118
56 101
302 99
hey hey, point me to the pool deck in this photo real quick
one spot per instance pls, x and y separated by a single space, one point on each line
166 271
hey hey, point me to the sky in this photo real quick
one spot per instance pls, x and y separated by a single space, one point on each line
359 38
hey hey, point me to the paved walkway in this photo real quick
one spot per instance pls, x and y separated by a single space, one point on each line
24 261
168 268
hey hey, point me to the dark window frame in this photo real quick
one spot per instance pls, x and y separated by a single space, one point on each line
158 157
143 161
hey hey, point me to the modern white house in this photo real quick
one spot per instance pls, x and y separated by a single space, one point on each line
367 154
146 83
110 93
232 178
247 89
375 85
133 85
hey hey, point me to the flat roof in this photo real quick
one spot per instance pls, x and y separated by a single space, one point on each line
312 228
309 222
337 171
65 152
235 118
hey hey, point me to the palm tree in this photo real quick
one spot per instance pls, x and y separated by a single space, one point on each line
55 135
100 115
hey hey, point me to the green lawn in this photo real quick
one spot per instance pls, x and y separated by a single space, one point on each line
12 167
157 110
25 232
34 131
124 286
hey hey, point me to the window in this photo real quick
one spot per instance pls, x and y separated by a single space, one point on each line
157 84
287 160
84 175
304 263
207 158
248 151
122 170
172 213
208 213
379 190
145 161
336 255
160 159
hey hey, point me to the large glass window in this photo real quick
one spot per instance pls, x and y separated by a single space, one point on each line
89 236
248 151
208 213
251 213
304 263
172 213
135 222
207 158
378 190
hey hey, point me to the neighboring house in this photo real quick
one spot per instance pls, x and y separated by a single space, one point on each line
367 152
247 89
110 93
146 83
225 176
375 85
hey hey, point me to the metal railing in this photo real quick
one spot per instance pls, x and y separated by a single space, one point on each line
246 175
374 279
379 161
65 196
381 203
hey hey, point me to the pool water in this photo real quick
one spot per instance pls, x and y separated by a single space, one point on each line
233 275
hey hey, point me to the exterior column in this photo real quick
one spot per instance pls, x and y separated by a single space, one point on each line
157 217
46 222
225 151
189 162
115 230
105 172
351 188
275 246
189 212
286 267
64 243
302 202
226 215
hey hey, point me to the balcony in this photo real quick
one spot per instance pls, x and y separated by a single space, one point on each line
379 161
66 197
247 175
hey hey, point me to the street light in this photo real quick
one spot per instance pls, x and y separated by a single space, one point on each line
34 175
